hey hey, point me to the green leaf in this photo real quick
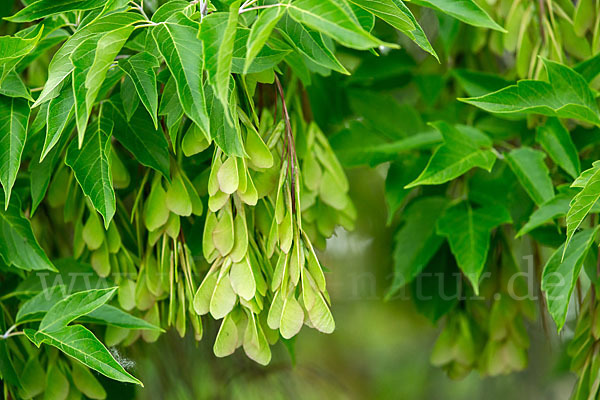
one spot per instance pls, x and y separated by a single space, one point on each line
267 58
171 108
39 304
416 35
218 32
364 17
260 32
437 290
168 9
381 112
46 8
183 54
61 65
416 242
91 166
531 171
129 97
460 152
91 60
309 43
18 246
359 145
226 134
389 11
589 69
74 306
52 36
585 176
566 95
58 114
42 171
557 142
558 206
147 144
141 69
562 271
14 48
14 118
13 86
582 203
81 344
113 316
400 173
332 18
477 83
467 11
468 231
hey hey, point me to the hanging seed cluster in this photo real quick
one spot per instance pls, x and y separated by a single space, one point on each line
61 377
584 349
258 272
265 279
488 333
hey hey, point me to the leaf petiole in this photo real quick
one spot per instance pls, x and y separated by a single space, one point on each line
243 10
10 332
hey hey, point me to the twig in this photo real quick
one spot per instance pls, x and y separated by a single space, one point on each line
140 9
150 23
10 333
248 3
291 150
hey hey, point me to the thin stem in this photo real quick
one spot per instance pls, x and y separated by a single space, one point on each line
291 146
12 328
150 23
10 332
140 9
248 3
193 3
243 10
203 9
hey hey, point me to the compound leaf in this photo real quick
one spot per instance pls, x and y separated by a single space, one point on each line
81 344
566 95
